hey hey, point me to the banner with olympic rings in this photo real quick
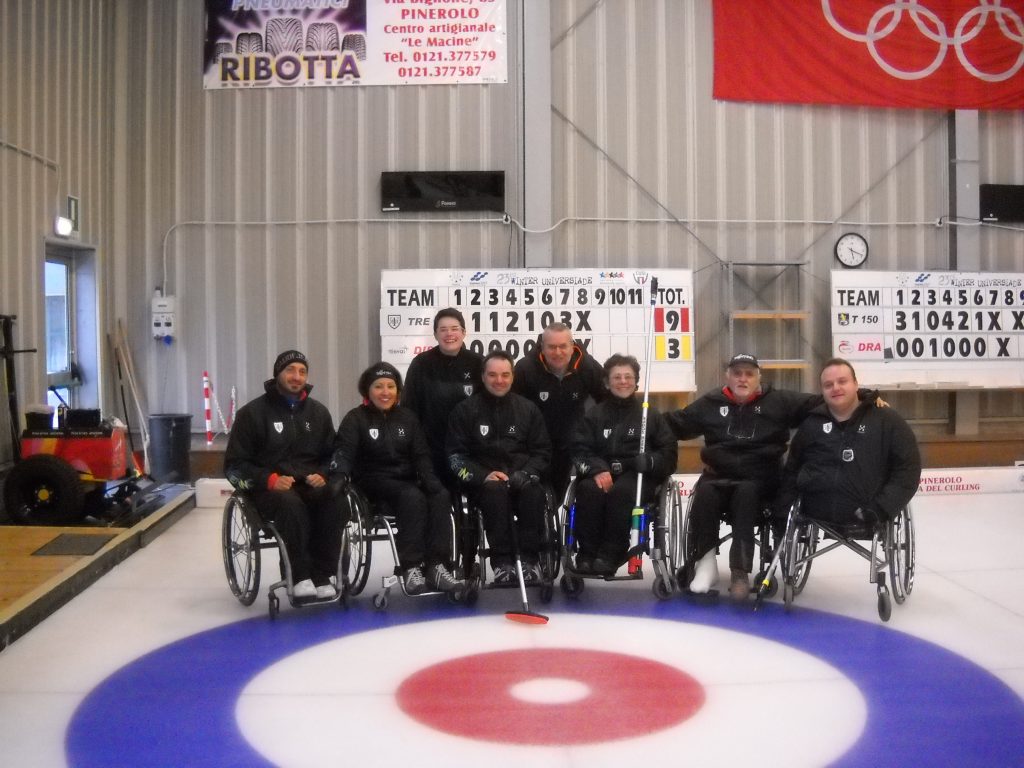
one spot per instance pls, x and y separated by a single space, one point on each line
930 54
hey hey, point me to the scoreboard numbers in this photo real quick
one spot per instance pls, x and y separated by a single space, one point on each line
607 311
930 329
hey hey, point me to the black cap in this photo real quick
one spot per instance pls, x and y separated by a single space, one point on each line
743 359
376 371
287 358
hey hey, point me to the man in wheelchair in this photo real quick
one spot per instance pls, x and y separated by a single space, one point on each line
499 450
852 465
745 426
279 452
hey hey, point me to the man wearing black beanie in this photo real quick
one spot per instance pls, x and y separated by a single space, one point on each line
279 452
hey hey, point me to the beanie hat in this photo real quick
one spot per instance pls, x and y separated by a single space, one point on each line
376 371
287 358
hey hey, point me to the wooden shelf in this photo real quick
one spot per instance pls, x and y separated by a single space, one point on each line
771 314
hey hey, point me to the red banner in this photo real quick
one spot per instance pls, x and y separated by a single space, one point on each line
944 54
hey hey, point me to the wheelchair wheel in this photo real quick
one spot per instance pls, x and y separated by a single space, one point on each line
687 545
668 528
884 603
356 550
900 554
802 543
240 543
662 588
571 586
550 555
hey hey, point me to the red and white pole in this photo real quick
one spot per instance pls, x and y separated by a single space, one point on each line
206 403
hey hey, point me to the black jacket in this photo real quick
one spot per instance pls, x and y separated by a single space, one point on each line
881 469
272 436
504 434
743 441
610 432
561 401
434 385
389 445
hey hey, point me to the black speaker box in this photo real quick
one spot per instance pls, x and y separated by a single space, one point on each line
1002 202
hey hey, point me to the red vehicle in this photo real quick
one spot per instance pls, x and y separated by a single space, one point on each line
63 475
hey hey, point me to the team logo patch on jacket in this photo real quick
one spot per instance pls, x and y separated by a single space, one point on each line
279 427
374 433
484 429
724 410
607 434
862 428
468 389
543 396
827 427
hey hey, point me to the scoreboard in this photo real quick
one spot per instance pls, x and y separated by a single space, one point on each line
607 310
938 330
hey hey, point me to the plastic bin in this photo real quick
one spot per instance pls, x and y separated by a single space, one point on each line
170 438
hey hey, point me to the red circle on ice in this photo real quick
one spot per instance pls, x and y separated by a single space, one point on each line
622 696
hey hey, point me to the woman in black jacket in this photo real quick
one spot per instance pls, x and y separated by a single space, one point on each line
381 447
606 450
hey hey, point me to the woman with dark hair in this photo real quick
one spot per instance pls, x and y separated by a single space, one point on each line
381 447
606 452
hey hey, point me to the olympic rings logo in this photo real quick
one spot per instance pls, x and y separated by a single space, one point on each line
970 25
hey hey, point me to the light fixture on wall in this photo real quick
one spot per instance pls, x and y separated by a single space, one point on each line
63 226
66 226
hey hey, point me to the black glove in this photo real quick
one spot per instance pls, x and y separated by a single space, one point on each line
644 462
339 483
520 479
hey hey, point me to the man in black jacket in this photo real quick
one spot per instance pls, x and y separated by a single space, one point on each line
438 380
745 427
498 448
851 463
559 379
279 452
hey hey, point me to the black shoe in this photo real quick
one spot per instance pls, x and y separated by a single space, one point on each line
584 564
602 567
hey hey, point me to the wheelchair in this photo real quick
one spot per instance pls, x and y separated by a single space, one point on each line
661 517
378 523
475 551
687 543
245 534
891 552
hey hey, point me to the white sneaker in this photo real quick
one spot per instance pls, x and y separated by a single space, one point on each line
705 574
325 591
304 590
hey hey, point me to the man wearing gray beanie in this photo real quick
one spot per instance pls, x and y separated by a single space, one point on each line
279 452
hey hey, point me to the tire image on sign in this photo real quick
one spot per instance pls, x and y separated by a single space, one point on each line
322 36
284 36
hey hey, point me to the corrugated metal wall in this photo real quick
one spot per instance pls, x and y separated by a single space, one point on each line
699 183
112 92
57 93
246 291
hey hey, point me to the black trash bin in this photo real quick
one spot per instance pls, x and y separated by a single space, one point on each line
170 437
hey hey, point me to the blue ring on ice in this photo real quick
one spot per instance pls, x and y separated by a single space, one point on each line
176 705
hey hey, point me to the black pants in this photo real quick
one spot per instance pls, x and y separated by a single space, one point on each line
309 521
738 502
603 520
424 521
497 501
